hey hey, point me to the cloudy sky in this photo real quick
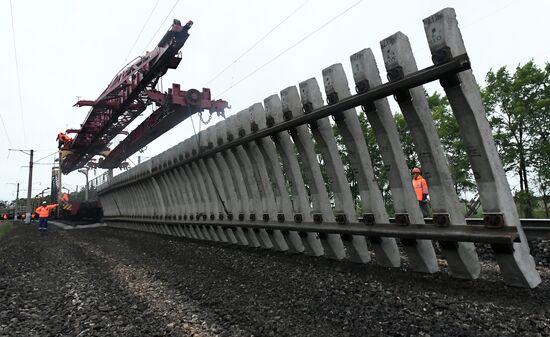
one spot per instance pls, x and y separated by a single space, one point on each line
54 52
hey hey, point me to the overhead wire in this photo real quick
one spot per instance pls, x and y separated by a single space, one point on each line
257 42
141 31
5 130
489 14
18 77
162 24
139 35
197 134
51 154
289 48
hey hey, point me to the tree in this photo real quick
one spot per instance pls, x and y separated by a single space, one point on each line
4 204
541 146
517 106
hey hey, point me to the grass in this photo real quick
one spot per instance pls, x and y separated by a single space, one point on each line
5 227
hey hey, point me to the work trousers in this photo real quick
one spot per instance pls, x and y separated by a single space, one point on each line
42 224
424 208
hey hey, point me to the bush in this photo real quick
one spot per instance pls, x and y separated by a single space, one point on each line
5 227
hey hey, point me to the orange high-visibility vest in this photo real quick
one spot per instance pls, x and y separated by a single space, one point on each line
64 137
420 187
44 211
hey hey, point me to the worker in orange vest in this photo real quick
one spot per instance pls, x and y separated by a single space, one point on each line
43 214
421 190
62 139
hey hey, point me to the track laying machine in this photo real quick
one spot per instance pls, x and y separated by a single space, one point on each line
130 92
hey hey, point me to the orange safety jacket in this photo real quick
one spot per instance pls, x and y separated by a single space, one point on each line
63 137
420 187
44 211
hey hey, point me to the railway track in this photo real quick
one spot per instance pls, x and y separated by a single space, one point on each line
255 179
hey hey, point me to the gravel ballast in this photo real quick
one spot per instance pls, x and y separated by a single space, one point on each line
113 282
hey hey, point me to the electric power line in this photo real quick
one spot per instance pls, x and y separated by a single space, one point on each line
18 77
141 31
148 43
36 161
51 154
289 48
162 24
5 130
487 15
256 43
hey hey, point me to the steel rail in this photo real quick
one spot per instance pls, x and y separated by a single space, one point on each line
454 233
534 229
426 75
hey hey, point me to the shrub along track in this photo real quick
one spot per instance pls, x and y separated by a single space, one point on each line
105 281
5 227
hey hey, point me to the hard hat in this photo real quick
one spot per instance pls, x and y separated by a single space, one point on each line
415 170
43 202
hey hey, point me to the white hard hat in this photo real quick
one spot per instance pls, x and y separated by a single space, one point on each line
43 202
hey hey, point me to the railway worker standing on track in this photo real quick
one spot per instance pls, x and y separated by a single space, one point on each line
43 213
421 191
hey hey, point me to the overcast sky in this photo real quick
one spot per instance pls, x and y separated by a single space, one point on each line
70 49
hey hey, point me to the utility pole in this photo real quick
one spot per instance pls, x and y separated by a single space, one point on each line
16 202
29 188
85 171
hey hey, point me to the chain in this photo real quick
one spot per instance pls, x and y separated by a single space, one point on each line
202 120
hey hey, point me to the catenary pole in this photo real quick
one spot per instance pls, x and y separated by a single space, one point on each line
16 202
29 190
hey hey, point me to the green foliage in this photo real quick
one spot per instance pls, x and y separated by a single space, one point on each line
5 227
518 110
524 201
79 196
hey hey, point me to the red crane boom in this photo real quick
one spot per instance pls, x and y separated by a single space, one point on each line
126 97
